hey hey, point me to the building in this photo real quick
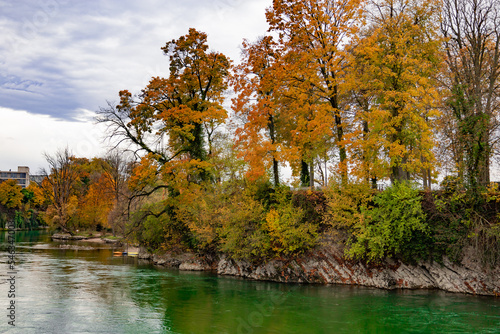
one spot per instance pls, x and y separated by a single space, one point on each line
22 176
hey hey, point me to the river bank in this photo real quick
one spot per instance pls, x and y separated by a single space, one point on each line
327 265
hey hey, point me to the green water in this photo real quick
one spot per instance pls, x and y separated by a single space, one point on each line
64 290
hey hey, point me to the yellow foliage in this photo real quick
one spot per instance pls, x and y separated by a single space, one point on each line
344 205
10 194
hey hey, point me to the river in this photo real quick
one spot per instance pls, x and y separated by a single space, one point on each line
77 287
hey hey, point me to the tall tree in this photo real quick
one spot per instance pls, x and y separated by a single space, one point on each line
174 116
255 83
472 42
171 126
58 186
396 61
313 34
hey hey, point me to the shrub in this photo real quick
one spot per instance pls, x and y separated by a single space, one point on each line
312 203
288 232
344 205
391 227
241 233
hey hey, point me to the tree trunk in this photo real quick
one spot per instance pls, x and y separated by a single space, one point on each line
311 174
272 135
304 174
276 173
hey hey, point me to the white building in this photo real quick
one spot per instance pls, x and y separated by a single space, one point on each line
22 176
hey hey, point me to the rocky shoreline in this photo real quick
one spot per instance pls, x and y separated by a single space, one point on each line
327 265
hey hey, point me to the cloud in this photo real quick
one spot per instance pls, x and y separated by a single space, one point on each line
24 138
61 60
60 56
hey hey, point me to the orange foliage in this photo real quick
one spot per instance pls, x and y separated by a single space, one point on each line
312 34
94 207
255 81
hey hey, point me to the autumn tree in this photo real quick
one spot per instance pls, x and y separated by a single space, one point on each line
95 205
255 83
472 43
58 186
116 169
313 35
35 197
174 119
396 61
171 126
11 195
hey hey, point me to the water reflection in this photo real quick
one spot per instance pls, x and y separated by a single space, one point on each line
64 290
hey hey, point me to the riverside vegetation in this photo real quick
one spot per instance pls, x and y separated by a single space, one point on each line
350 95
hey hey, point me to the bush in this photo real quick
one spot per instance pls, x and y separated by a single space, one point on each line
312 203
288 232
392 227
345 205
241 230
157 228
257 230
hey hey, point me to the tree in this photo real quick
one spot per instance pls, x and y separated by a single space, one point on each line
472 43
11 195
117 171
313 35
36 198
58 186
173 116
95 206
396 60
171 126
255 83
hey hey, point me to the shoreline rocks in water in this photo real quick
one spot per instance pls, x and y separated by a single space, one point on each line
327 265
60 236
93 239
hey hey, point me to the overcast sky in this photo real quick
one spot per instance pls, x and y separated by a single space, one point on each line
60 60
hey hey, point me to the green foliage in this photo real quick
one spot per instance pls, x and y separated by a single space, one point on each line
28 195
263 192
153 231
460 227
241 231
155 226
285 224
390 227
450 184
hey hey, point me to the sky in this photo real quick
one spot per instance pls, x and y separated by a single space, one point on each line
61 60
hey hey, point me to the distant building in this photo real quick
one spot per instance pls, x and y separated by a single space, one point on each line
22 176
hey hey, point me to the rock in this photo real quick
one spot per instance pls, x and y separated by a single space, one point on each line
68 237
144 254
111 241
193 266
327 265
